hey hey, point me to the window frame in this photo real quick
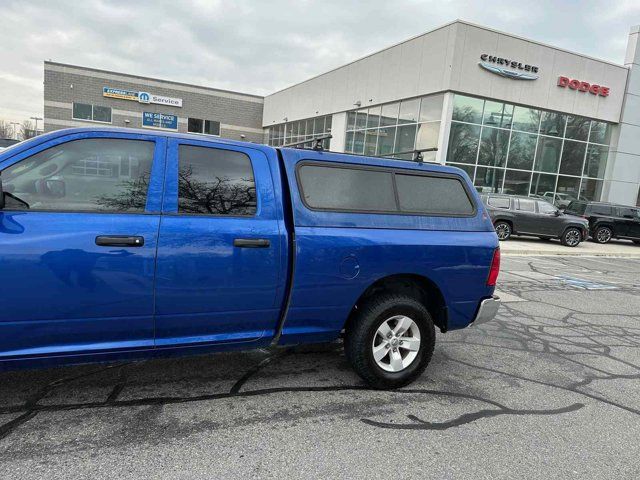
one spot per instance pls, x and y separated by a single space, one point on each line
204 124
156 174
393 171
110 122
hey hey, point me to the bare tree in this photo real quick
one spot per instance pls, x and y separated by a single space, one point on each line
5 129
27 130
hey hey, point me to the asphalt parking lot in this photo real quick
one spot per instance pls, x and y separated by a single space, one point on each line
550 389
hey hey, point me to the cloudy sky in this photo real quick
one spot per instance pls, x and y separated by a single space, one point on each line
259 46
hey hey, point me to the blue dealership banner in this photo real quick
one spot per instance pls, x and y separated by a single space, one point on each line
159 120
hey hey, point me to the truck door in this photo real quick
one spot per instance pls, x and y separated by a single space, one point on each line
526 218
220 253
77 244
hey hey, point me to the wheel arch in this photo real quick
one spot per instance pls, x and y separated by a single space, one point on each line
418 286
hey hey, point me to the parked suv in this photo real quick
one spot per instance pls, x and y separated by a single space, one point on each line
608 220
518 215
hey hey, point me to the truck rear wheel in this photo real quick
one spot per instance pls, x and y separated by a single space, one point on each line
390 341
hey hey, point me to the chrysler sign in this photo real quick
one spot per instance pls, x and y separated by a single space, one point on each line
508 68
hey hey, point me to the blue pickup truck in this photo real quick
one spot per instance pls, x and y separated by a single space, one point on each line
120 243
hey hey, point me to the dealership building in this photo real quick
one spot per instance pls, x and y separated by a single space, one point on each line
517 115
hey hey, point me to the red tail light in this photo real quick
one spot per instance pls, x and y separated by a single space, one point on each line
495 268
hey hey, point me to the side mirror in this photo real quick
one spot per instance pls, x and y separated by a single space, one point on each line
557 213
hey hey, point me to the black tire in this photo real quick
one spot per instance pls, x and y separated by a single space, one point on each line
362 330
503 230
603 235
571 237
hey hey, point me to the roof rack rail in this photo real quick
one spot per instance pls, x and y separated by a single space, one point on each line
417 154
316 141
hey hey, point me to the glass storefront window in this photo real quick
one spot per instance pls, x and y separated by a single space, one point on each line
463 143
409 111
577 128
467 109
497 114
361 119
374 117
600 132
522 151
526 119
405 139
596 161
470 169
348 142
552 123
358 143
493 147
548 154
572 158
389 114
431 108
371 140
516 182
489 180
318 126
386 138
591 189
542 183
428 135
569 186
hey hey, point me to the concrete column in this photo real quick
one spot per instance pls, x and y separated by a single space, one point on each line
622 178
445 128
338 132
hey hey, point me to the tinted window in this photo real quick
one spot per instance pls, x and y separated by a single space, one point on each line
627 212
212 181
525 205
83 175
546 208
82 111
601 210
499 202
434 195
347 189
577 208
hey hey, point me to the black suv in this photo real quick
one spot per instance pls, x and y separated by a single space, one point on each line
516 215
608 220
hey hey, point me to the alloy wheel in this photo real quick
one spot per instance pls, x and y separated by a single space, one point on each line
396 343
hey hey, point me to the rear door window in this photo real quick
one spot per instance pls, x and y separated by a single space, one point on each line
525 205
213 181
500 202
601 210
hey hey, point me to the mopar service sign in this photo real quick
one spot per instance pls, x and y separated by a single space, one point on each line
140 97
159 120
506 67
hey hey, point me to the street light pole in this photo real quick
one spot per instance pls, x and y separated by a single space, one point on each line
36 120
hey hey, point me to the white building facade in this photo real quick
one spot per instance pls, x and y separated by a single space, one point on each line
518 116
